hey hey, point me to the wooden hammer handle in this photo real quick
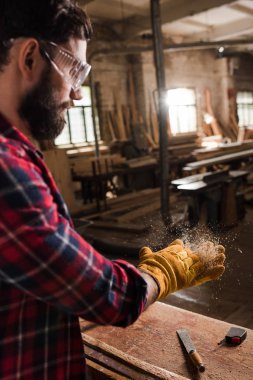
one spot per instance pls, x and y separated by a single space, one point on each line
197 361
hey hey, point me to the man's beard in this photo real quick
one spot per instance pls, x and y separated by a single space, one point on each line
41 110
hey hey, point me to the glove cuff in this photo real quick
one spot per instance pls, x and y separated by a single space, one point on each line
154 278
162 273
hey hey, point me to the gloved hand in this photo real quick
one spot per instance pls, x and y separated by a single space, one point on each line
176 266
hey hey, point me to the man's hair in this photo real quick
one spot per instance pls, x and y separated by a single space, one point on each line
52 20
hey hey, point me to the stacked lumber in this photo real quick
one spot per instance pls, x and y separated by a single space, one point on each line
85 166
180 147
122 120
205 153
128 221
211 126
141 161
153 134
183 144
118 123
233 124
153 123
130 207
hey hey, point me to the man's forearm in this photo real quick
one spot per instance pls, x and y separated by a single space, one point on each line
152 289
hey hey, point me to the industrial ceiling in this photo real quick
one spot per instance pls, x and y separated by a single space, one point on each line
183 21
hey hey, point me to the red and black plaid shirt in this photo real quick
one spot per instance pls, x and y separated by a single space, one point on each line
49 275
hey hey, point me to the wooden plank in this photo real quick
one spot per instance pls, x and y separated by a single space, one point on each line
194 186
124 204
114 214
128 227
132 97
110 126
150 140
125 201
139 211
184 138
209 108
101 372
219 160
209 177
141 367
152 339
82 165
232 112
119 115
126 117
205 153
135 196
187 180
153 120
141 161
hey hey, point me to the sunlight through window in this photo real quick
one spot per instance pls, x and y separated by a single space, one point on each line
182 110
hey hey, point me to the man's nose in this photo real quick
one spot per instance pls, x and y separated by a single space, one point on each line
76 94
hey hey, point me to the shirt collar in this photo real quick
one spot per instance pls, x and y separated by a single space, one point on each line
10 131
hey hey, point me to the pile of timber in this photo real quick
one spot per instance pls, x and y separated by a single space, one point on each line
86 166
120 121
222 149
141 161
213 127
183 144
128 221
180 147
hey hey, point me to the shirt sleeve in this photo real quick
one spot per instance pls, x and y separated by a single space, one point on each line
44 256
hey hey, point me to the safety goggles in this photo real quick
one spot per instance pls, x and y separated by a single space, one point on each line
72 69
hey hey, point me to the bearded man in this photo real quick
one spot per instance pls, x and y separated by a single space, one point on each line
49 275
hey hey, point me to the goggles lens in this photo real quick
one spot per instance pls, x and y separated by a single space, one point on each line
72 69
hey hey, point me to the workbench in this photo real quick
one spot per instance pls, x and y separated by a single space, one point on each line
95 185
150 348
216 195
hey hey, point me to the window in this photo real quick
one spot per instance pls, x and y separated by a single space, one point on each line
182 110
244 101
79 123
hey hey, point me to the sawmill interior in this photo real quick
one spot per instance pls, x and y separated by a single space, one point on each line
160 148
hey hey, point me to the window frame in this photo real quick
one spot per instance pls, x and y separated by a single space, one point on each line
71 128
240 106
194 106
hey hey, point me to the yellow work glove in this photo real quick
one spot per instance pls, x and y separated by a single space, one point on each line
176 266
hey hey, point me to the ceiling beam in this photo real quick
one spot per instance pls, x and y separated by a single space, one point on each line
192 22
242 9
227 31
171 11
138 49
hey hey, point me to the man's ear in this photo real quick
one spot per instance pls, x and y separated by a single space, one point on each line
29 60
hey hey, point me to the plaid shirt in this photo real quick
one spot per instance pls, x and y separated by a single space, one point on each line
49 275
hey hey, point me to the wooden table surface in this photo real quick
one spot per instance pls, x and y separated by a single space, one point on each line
152 346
